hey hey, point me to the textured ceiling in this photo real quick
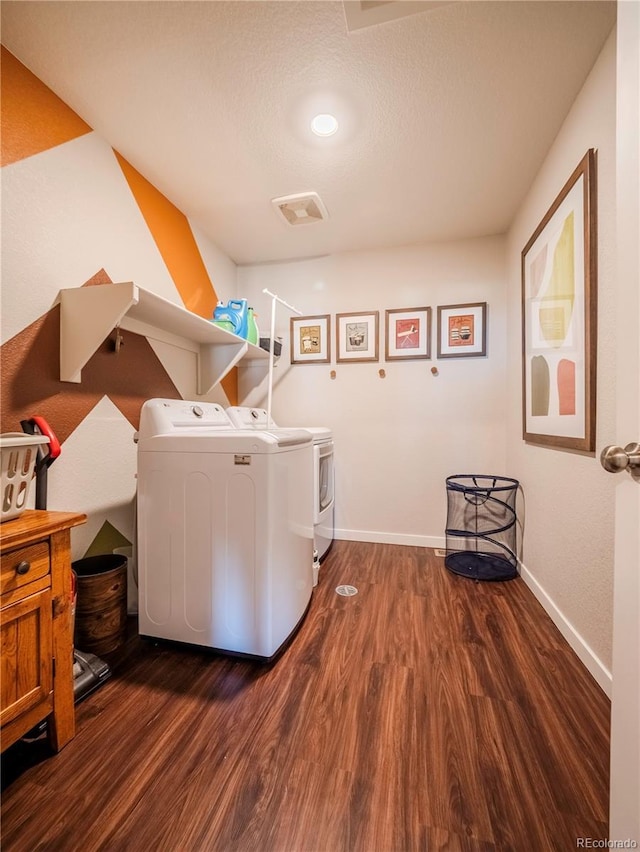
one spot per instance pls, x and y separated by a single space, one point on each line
446 110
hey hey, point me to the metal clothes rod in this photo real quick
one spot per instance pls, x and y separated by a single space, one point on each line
274 299
282 302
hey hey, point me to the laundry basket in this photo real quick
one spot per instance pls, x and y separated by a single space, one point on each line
481 526
19 453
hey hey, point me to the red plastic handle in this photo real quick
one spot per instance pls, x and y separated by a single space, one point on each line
46 430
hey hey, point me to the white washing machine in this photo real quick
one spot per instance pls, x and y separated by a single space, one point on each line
225 529
323 472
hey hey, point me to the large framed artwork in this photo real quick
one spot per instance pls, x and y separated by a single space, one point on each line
462 330
407 334
559 315
357 336
310 339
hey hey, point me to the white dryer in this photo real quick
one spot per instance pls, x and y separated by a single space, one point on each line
245 417
225 529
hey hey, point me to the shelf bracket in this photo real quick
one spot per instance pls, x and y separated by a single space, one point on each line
87 317
216 360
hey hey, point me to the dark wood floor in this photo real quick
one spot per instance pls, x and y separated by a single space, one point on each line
428 712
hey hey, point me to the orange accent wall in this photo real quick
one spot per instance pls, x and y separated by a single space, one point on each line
172 233
34 119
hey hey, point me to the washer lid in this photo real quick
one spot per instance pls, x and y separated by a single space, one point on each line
289 437
245 417
319 433
234 441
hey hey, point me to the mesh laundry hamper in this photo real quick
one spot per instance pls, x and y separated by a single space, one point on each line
481 526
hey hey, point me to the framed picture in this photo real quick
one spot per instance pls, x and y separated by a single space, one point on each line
310 339
407 334
462 330
357 337
559 294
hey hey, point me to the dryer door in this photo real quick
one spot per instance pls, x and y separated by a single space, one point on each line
324 480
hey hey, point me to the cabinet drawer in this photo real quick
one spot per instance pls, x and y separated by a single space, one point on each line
24 565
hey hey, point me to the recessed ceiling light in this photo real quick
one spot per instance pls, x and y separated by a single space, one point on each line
324 125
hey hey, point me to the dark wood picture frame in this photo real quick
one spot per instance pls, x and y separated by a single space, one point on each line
309 347
407 334
462 330
357 336
559 318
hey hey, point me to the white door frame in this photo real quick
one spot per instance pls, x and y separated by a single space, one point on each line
625 704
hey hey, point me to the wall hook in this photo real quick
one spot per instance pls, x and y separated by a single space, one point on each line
118 340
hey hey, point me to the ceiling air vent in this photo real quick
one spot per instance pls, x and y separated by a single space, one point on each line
301 209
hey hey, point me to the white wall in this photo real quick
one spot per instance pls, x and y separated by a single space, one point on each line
397 438
222 270
568 544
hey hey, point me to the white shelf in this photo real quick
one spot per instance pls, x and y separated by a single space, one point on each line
89 314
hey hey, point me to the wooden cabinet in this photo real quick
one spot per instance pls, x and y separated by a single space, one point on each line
36 626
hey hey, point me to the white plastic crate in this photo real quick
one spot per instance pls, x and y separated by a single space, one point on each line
19 452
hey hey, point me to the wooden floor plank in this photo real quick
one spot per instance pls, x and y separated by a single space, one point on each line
427 712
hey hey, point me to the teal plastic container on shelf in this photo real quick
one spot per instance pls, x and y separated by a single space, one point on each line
233 316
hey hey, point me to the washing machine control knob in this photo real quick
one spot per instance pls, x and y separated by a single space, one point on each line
197 411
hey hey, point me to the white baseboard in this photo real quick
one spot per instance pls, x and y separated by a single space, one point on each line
390 538
594 665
